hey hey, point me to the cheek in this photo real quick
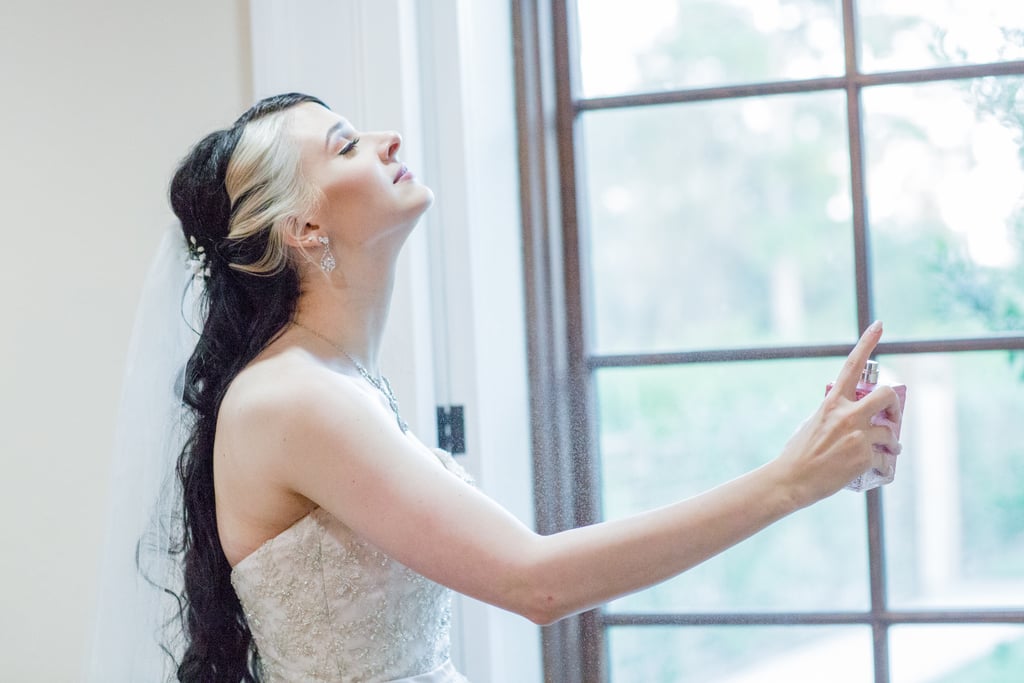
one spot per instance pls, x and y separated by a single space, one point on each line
352 194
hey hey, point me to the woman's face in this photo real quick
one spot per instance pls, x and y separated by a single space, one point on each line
367 192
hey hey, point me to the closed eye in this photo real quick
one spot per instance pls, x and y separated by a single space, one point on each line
349 146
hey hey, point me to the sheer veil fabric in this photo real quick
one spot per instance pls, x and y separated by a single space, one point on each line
135 626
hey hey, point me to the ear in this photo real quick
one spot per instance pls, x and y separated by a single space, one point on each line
302 235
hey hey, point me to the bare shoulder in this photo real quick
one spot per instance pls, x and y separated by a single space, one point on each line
270 418
284 393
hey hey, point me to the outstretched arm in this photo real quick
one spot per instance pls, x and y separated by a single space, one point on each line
342 452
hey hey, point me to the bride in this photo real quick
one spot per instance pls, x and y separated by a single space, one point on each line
319 537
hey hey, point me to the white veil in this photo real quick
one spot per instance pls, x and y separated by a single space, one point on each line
136 626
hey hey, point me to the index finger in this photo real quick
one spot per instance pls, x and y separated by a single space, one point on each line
846 383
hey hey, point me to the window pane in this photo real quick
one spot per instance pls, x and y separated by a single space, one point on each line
671 432
972 653
740 654
946 188
669 44
955 513
719 224
917 34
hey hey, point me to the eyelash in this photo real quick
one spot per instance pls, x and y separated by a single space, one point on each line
349 147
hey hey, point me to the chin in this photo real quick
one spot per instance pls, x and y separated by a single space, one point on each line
426 200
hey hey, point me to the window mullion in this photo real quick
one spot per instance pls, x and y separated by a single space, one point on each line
580 399
865 315
877 582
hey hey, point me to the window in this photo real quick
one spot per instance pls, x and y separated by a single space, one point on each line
718 196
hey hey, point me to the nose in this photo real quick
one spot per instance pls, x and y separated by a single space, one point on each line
390 144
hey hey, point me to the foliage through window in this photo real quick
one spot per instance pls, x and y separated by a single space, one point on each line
744 186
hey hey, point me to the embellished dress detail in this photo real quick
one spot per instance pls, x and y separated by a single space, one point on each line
326 606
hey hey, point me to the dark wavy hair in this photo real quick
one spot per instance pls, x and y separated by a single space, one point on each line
234 194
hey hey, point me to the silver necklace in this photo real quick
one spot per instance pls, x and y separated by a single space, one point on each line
381 383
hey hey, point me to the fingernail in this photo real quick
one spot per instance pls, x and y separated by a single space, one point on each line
875 326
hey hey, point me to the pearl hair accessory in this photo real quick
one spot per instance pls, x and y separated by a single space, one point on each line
197 262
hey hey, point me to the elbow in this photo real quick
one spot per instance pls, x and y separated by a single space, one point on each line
540 604
543 611
535 590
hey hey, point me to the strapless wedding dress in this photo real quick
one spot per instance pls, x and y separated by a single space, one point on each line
326 606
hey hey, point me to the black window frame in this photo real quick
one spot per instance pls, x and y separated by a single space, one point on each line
562 369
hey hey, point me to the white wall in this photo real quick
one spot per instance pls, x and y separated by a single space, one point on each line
98 101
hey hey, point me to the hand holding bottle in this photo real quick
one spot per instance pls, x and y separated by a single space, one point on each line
851 433
876 477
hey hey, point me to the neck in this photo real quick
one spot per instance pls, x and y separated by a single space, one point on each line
349 307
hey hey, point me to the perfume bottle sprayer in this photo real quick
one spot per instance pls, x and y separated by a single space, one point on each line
875 477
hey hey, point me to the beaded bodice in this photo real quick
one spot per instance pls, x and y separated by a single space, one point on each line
326 606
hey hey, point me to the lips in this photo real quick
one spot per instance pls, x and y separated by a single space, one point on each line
403 171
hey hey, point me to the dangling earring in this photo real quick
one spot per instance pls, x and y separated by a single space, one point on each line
327 262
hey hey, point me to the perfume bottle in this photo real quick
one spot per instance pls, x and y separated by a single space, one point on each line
875 477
